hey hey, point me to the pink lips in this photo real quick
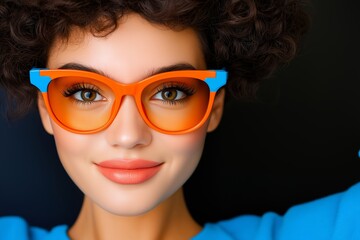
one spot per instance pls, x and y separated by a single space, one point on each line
129 171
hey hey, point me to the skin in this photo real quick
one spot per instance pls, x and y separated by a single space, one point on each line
154 209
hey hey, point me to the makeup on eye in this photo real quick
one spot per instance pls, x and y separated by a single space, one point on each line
173 92
169 91
84 93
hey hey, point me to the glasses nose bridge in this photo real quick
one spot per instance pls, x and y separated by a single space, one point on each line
122 90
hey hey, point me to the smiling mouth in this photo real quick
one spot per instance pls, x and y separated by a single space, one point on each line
129 172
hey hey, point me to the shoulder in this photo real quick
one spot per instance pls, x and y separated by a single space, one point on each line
14 227
336 216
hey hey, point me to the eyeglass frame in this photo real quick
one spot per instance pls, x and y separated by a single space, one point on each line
42 77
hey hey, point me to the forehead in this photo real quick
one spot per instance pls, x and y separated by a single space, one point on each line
136 47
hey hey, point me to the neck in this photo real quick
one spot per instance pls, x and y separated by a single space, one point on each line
170 220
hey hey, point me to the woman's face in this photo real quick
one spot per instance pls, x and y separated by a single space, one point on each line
129 54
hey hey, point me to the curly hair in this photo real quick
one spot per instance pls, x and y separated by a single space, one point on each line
249 38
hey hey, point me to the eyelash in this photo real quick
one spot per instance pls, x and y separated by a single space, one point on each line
188 91
80 87
182 87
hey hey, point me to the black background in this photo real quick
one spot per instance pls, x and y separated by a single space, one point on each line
299 142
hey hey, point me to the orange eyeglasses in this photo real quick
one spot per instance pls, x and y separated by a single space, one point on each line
174 102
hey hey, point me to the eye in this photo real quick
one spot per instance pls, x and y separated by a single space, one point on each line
170 94
87 95
84 93
173 92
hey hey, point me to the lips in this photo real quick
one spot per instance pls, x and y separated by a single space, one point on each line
129 171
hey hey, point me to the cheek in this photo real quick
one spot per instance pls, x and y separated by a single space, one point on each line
189 146
185 151
73 150
70 145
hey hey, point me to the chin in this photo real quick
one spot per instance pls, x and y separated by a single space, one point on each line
129 209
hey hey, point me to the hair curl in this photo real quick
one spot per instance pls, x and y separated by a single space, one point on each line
249 38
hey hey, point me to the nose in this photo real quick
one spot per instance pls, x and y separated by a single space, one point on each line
128 129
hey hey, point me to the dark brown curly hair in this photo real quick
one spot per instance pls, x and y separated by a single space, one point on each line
249 38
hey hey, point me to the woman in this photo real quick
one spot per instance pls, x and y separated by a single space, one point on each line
129 90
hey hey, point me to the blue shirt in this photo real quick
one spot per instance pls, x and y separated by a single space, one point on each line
335 217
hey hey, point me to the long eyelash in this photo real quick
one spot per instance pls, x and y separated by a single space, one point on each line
78 87
180 86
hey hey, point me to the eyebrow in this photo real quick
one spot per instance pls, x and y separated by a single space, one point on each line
174 67
77 66
169 68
